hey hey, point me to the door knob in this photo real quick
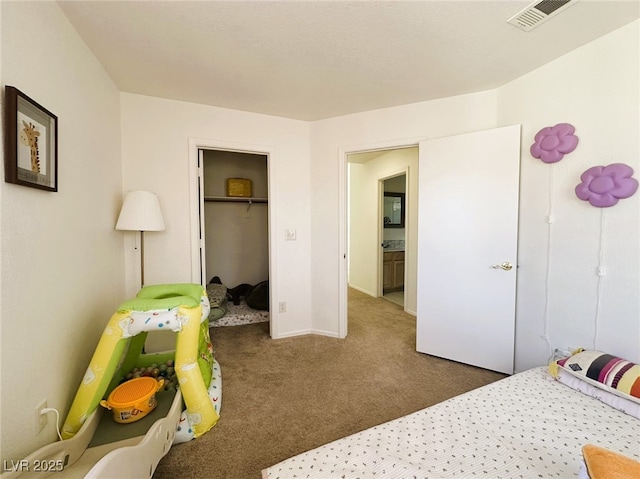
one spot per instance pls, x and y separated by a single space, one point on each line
505 266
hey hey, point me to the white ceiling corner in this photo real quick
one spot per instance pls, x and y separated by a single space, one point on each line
310 60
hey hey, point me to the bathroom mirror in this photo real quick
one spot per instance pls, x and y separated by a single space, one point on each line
393 215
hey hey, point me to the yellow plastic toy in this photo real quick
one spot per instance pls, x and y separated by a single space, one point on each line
133 399
182 308
96 446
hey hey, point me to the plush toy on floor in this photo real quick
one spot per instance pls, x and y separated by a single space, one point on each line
256 297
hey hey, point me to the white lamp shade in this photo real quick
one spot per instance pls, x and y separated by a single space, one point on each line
140 212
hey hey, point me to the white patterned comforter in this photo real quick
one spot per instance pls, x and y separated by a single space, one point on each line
524 426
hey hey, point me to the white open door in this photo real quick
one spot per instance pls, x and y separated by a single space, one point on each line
467 246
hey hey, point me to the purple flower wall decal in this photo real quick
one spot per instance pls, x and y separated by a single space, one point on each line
603 186
553 142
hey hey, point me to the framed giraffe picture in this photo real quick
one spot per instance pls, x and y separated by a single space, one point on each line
31 142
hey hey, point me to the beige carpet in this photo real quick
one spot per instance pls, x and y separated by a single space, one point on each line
283 397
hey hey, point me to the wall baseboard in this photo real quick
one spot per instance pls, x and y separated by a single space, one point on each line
303 332
365 291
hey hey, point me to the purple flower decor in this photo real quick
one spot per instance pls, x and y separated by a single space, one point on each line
603 186
553 142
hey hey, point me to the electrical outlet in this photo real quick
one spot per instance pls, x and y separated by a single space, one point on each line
282 307
41 419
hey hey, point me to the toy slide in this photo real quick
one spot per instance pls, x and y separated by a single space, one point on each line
94 445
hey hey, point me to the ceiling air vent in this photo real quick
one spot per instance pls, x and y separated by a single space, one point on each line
538 12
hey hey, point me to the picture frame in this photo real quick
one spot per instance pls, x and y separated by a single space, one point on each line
31 142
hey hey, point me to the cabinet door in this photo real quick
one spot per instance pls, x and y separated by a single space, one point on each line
398 274
387 272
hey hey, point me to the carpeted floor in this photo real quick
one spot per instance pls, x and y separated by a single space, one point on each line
283 397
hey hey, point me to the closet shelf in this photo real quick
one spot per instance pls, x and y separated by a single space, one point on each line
235 199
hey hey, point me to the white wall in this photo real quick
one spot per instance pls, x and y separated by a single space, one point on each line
362 229
155 145
62 260
595 88
399 126
364 220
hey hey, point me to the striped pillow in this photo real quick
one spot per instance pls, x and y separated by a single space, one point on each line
606 372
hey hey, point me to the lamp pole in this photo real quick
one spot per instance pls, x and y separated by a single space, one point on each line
141 259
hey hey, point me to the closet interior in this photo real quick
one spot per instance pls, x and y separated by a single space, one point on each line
236 227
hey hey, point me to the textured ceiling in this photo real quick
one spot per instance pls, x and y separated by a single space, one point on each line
310 60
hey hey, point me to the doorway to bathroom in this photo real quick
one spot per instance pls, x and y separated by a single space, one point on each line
392 224
382 191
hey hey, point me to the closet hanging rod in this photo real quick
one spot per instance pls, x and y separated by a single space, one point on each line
235 199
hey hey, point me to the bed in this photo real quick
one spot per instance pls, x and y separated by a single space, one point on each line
529 425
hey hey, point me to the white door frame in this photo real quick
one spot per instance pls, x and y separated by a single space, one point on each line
196 205
343 186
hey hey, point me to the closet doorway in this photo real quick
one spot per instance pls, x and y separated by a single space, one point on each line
233 190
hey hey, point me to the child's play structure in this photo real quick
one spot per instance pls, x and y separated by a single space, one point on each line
94 445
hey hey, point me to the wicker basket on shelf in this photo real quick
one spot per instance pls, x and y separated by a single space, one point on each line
239 187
